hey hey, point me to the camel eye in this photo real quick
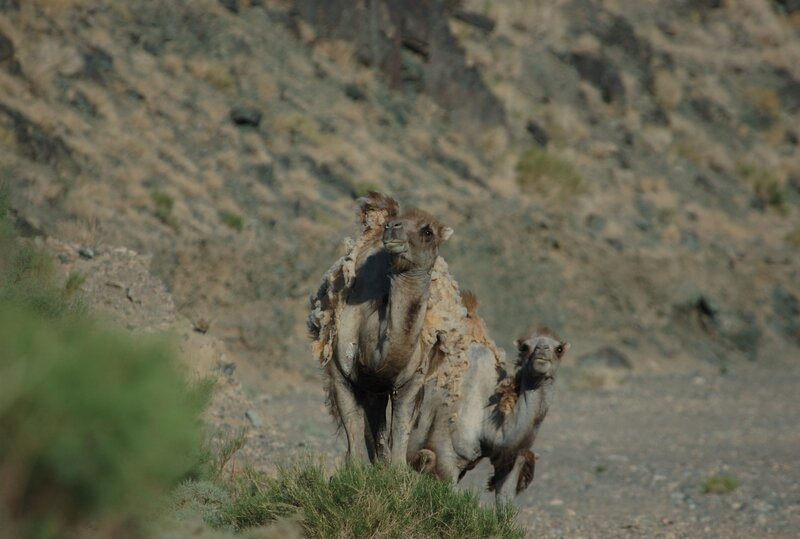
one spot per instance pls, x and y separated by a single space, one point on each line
559 349
427 232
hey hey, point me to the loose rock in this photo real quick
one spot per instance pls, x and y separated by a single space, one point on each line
246 116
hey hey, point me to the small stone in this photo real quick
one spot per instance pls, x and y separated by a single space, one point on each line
245 116
230 5
87 253
556 502
355 92
538 133
6 48
254 418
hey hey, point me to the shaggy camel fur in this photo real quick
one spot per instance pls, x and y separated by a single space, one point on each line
497 416
384 317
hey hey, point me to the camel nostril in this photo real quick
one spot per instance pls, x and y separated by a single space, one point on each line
398 225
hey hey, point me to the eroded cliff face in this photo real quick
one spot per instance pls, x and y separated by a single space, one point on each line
627 174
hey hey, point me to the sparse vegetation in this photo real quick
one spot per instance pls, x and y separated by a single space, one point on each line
719 484
27 275
362 189
74 282
232 220
765 100
543 173
163 207
359 500
216 74
767 188
793 238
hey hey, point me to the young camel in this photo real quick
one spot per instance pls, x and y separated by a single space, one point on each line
496 416
367 323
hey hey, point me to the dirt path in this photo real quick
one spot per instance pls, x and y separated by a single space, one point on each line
630 462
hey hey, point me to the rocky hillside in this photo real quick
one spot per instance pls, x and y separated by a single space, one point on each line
627 172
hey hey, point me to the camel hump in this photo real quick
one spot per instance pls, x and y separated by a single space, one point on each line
375 209
470 301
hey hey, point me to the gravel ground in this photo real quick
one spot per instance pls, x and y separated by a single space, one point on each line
630 461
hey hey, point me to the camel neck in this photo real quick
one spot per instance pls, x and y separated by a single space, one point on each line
410 282
518 427
405 315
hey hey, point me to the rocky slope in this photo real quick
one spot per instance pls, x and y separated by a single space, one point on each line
640 189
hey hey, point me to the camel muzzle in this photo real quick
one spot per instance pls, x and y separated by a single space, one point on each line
395 246
541 364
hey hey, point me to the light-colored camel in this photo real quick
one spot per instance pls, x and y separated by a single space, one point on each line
491 415
373 328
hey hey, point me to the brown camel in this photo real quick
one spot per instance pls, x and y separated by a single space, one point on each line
489 415
373 328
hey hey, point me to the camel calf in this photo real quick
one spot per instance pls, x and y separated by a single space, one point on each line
496 416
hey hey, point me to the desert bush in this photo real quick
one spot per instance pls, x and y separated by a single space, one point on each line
91 422
94 424
542 173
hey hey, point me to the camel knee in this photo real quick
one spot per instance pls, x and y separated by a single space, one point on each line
424 461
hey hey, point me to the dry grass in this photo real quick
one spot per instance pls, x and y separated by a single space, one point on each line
767 187
667 89
217 75
793 238
545 174
765 100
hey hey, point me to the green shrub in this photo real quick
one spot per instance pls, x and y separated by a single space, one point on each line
27 278
719 484
359 500
233 220
163 208
91 422
542 173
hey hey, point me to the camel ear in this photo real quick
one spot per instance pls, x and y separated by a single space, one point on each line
521 345
565 345
445 233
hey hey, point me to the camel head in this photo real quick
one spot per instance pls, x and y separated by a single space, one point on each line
540 354
413 239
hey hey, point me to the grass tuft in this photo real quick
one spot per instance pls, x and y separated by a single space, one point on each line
543 174
359 500
163 208
74 282
767 187
719 484
233 220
